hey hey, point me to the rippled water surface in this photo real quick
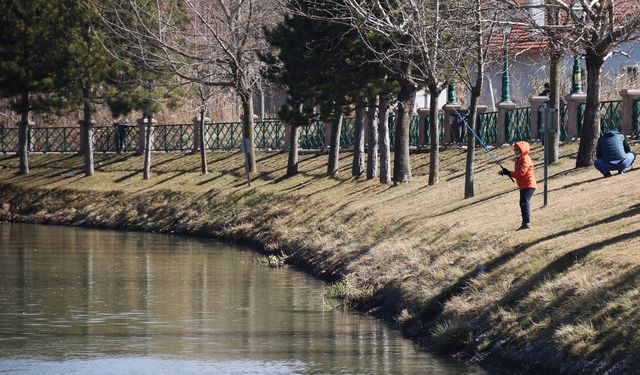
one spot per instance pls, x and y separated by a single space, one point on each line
81 301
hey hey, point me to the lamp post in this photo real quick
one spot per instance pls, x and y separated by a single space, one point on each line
452 98
576 77
506 80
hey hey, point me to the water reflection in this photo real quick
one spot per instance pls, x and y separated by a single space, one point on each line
87 301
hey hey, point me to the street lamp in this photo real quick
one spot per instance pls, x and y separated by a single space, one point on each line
506 81
452 98
576 77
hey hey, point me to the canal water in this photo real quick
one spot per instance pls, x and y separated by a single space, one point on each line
83 301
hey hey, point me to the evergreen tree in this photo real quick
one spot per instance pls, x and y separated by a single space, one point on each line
34 58
326 68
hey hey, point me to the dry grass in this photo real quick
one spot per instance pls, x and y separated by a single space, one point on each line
424 253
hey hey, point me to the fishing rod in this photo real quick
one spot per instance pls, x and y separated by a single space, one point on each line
464 121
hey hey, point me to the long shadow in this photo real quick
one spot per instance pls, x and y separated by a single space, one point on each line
560 265
269 156
435 306
578 183
165 180
113 159
335 178
479 201
126 177
631 211
168 160
52 162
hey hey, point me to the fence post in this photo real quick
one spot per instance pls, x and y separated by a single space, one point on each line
142 133
573 105
423 113
449 109
629 96
536 103
503 108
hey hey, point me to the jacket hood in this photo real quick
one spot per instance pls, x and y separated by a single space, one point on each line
523 147
611 133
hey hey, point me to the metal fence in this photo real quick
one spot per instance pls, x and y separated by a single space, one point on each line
173 137
8 139
488 127
610 115
414 130
519 124
270 134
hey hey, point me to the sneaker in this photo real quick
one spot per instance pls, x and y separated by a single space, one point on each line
608 174
524 226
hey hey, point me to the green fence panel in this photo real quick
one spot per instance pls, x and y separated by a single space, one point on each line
58 139
427 132
564 122
519 124
269 134
131 139
104 139
581 108
610 115
488 127
348 131
172 137
312 136
223 136
414 130
8 140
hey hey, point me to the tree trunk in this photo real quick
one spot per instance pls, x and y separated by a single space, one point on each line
147 146
591 127
476 91
334 152
383 137
88 131
292 163
372 150
357 169
434 156
402 161
23 134
203 145
552 139
248 126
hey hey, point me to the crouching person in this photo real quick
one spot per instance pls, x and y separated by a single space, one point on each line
613 154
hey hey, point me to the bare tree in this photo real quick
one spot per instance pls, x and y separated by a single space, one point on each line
222 37
475 30
594 29
406 38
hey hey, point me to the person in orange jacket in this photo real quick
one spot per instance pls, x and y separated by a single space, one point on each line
525 179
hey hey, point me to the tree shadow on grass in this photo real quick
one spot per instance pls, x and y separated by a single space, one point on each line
435 306
560 265
126 177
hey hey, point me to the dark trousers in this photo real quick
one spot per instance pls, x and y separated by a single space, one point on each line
525 204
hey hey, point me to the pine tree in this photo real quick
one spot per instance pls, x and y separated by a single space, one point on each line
34 58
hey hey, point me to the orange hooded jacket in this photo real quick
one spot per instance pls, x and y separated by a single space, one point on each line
524 168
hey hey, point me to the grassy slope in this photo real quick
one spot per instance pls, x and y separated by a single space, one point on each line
569 285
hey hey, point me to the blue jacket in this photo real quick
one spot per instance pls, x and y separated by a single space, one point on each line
612 146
